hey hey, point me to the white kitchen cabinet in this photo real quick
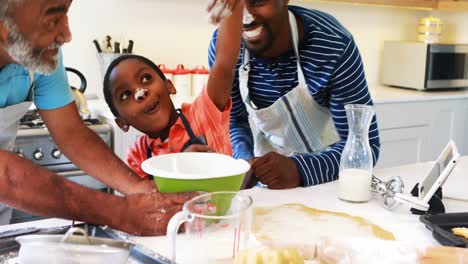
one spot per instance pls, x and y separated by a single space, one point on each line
418 130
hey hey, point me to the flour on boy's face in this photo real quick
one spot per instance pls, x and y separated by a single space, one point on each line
140 96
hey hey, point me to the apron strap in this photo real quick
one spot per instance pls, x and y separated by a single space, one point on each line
32 85
295 39
186 124
300 74
193 139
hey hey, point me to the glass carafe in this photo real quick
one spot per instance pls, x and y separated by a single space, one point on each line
356 162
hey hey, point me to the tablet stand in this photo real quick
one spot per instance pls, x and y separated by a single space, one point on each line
435 203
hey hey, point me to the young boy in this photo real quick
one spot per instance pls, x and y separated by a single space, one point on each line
138 95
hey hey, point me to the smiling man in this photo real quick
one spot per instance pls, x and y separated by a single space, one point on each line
297 70
31 70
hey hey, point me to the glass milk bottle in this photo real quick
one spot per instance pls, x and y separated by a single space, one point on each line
356 163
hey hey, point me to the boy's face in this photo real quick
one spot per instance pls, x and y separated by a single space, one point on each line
141 97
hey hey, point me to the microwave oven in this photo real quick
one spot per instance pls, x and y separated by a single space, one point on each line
423 66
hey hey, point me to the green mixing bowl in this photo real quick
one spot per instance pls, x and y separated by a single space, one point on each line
196 171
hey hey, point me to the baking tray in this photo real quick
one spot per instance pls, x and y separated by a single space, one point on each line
9 248
441 226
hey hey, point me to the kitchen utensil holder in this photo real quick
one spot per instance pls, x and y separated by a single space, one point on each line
105 59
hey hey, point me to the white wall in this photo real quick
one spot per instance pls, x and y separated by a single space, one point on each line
176 31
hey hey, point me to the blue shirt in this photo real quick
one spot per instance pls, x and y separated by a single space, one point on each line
335 76
50 91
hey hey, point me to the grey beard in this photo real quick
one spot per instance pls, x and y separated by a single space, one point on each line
21 51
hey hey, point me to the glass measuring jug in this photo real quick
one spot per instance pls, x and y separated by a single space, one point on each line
217 226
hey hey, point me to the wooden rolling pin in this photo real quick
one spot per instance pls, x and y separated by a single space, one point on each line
445 255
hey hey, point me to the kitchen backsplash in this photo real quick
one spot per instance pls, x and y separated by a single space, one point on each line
177 31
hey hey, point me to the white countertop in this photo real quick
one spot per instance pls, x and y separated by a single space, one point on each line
404 225
385 94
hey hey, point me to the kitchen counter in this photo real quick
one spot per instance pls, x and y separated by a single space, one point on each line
382 94
405 226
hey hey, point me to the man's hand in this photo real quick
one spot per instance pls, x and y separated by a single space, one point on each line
219 9
276 171
198 148
144 186
148 214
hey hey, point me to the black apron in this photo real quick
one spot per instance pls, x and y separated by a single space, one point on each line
193 140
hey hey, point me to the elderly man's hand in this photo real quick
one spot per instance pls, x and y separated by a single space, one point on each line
276 171
219 9
148 214
143 186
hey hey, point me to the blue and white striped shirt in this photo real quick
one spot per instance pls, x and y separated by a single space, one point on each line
335 76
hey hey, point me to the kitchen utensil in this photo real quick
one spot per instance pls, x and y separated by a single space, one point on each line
195 171
98 47
392 192
130 46
78 93
71 248
356 163
217 222
105 59
18 232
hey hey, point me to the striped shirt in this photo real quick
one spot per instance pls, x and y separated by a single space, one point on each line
335 77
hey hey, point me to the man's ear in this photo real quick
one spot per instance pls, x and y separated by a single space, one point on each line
3 34
170 87
122 124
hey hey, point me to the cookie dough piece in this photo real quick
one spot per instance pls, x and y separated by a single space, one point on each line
461 231
269 255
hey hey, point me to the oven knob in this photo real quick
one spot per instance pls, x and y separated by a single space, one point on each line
56 153
38 155
20 153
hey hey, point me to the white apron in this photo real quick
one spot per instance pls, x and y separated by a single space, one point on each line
9 121
295 123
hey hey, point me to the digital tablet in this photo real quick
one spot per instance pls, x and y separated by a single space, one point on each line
439 172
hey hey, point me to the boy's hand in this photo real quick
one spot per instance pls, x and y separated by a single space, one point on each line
219 9
198 148
148 214
276 171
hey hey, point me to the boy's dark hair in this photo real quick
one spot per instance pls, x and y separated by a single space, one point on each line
114 63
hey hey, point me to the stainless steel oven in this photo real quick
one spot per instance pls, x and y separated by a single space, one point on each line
35 143
425 66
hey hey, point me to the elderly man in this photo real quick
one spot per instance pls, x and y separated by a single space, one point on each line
297 70
31 70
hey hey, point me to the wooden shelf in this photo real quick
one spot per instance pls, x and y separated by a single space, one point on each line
447 5
453 5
